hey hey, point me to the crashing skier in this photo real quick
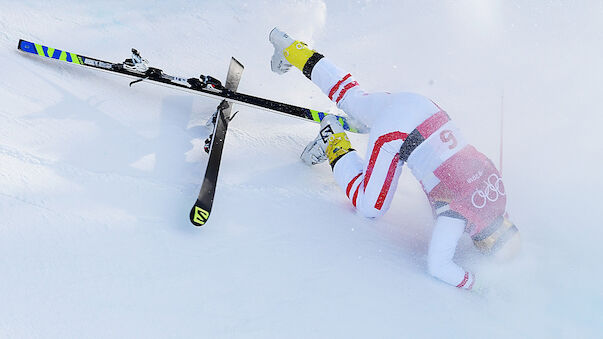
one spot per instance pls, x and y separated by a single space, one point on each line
463 187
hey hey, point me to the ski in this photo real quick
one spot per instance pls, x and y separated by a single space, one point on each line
202 207
204 85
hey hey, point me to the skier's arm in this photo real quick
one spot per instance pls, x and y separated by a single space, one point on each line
446 234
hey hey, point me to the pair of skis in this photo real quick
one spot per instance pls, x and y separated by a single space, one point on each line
137 69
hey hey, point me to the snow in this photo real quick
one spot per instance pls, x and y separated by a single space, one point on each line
97 178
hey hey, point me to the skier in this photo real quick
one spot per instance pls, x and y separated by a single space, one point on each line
464 188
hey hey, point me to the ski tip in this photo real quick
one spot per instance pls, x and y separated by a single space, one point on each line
25 46
199 216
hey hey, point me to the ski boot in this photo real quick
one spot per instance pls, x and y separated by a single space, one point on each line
331 143
289 52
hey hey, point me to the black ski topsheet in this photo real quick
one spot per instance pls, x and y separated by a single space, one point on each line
157 76
202 208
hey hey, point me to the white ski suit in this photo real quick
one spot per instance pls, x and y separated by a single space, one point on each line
463 186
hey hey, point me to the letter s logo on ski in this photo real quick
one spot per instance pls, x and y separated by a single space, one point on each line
200 216
491 192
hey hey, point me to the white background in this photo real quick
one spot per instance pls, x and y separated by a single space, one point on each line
97 178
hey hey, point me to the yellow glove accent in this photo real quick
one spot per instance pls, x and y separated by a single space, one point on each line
338 145
298 54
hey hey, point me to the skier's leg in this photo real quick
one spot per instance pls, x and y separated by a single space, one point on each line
370 187
347 94
446 234
371 184
337 84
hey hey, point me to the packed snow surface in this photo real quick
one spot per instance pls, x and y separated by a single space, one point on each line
97 178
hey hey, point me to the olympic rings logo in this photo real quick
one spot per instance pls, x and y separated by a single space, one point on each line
491 193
